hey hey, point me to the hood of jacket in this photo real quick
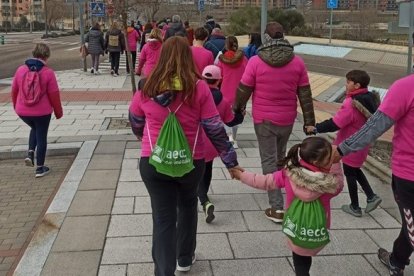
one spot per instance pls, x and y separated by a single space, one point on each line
154 44
35 64
366 103
213 37
313 181
176 26
231 57
276 52
94 33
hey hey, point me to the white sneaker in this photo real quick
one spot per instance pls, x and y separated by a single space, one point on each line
231 139
97 72
115 75
235 145
186 268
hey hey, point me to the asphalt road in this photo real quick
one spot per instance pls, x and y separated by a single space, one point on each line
64 52
65 55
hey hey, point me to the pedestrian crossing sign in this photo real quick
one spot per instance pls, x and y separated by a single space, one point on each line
97 9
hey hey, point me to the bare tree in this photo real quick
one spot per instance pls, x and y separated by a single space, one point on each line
56 9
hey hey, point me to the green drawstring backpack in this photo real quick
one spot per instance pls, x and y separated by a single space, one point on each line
171 155
305 224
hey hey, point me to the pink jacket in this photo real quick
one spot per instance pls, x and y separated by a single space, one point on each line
149 57
280 179
133 37
48 103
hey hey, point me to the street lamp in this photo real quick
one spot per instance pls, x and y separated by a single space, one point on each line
46 27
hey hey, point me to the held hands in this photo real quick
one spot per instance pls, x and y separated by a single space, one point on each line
236 172
309 130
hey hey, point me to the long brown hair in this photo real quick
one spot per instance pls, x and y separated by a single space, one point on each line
311 150
175 61
232 43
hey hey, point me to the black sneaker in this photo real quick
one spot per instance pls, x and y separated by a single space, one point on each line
92 70
29 160
384 257
208 209
42 171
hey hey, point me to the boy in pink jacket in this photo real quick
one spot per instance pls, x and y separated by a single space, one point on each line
308 175
212 75
357 107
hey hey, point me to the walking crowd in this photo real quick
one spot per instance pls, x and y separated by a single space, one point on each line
193 92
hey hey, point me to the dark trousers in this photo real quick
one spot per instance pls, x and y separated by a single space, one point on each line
302 264
403 190
205 182
134 59
39 126
174 215
353 177
115 56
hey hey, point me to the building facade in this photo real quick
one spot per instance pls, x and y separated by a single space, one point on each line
12 10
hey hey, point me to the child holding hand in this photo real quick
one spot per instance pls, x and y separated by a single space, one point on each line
308 175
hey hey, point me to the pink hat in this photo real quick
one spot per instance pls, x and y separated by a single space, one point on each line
212 72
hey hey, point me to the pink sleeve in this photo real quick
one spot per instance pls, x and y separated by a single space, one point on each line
344 116
258 181
142 59
397 101
249 75
54 94
226 112
210 58
336 170
135 105
208 107
15 89
304 79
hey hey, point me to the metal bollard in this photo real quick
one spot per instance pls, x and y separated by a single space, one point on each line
2 39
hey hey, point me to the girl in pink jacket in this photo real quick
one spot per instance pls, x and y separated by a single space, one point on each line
150 53
308 175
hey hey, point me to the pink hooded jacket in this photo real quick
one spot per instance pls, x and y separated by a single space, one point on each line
295 183
149 57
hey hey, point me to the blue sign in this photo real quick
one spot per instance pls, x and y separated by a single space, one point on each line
201 5
332 4
97 9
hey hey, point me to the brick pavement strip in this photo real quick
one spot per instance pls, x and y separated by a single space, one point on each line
23 198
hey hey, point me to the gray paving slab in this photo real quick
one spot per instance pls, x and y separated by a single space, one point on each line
385 219
343 265
105 162
113 147
81 234
130 225
234 202
257 221
131 189
251 152
126 250
232 187
383 237
257 267
224 222
87 149
130 175
72 263
342 220
382 269
144 269
258 244
77 170
130 164
132 153
63 197
142 205
123 205
349 242
213 247
99 180
97 202
113 270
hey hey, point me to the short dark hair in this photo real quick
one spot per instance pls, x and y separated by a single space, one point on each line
211 81
200 33
359 76
274 30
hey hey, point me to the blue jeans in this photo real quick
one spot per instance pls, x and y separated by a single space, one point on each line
174 215
38 135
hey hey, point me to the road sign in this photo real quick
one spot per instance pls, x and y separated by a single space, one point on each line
97 9
201 5
332 4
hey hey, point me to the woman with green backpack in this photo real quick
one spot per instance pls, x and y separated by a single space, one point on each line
311 181
168 115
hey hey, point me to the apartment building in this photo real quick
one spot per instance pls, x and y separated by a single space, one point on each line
11 10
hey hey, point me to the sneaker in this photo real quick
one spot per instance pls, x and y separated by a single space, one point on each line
373 203
42 171
97 72
112 72
384 257
115 75
208 208
29 160
231 139
350 210
92 70
235 145
186 268
275 215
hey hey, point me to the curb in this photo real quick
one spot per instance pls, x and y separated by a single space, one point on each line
55 149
